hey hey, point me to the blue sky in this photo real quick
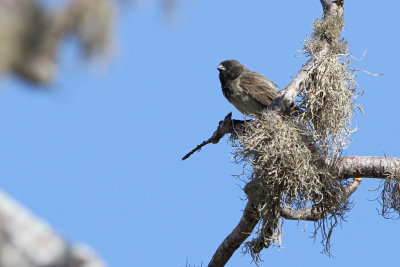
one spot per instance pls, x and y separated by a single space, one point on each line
98 155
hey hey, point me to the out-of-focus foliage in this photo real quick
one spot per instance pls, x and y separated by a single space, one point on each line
30 34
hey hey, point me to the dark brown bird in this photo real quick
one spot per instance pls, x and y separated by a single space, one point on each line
249 91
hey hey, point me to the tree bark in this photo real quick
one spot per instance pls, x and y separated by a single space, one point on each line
367 166
233 241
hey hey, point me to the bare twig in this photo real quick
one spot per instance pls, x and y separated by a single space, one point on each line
224 127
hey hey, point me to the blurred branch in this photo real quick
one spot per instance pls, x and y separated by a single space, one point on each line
30 34
27 241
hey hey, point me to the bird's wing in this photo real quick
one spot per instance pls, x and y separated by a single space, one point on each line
259 87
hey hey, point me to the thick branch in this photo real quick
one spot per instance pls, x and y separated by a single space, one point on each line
354 166
348 167
314 213
367 166
233 241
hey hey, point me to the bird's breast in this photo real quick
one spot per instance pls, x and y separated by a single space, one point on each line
242 101
231 89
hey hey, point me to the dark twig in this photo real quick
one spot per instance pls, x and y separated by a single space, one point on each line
224 127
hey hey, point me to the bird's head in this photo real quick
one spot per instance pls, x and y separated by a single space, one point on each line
230 69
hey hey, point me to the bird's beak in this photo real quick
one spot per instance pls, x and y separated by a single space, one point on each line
220 67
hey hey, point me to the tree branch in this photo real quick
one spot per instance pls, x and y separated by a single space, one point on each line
284 100
233 241
26 240
314 213
224 127
348 167
367 166
288 95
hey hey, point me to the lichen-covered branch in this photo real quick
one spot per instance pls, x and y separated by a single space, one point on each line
314 213
348 166
288 95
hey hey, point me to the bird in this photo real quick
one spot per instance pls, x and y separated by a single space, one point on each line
249 91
